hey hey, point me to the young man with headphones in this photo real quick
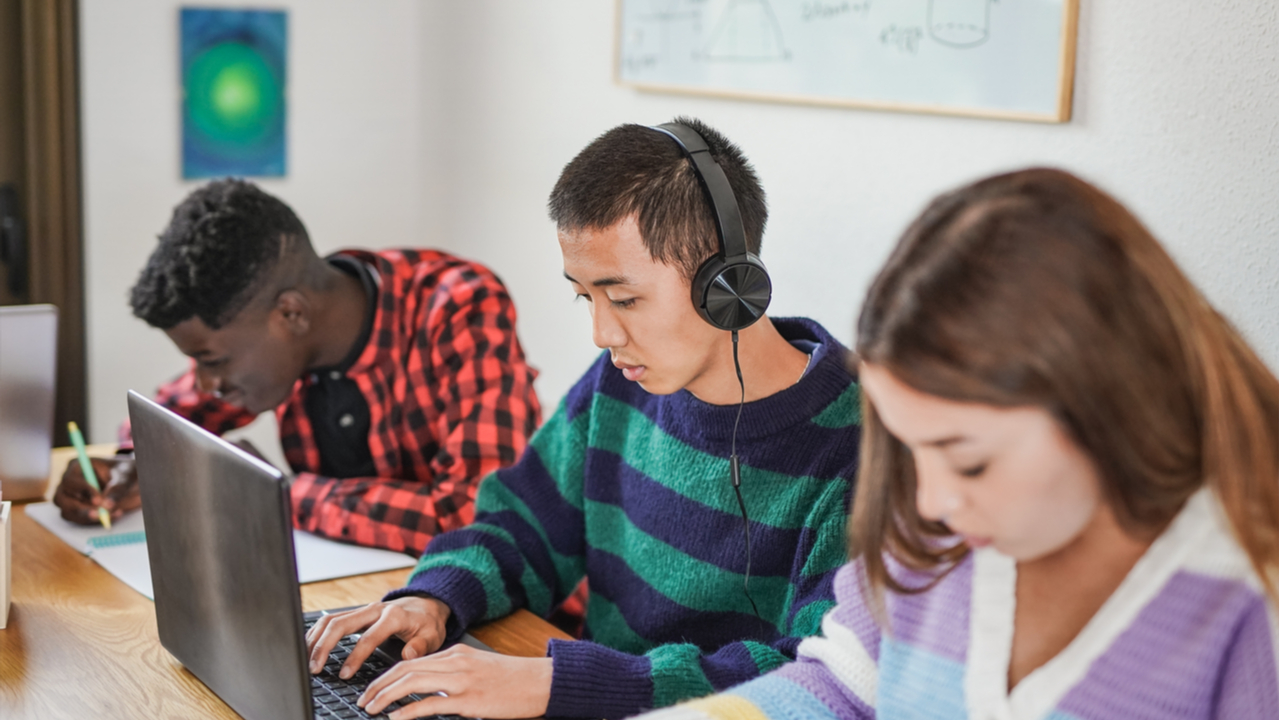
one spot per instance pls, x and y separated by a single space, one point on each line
698 476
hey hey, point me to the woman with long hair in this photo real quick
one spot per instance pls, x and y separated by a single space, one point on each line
1067 496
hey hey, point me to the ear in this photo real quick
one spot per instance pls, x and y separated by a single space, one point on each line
293 312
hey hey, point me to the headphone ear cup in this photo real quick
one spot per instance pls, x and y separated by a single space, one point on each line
732 295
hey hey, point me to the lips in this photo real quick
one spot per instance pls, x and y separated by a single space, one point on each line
630 372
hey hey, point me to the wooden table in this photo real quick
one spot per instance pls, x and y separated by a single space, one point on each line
80 643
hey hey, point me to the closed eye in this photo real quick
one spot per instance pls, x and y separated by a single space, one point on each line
974 471
624 304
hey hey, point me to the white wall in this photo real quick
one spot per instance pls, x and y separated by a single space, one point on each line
355 175
446 123
1175 113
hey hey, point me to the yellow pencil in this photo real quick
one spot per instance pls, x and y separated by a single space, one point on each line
87 468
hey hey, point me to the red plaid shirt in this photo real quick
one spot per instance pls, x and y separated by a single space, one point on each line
450 400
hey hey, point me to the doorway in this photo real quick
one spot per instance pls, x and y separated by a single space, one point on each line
41 257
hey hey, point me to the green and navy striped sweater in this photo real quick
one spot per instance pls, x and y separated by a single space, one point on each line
632 491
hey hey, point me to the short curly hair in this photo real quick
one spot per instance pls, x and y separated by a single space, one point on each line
221 245
636 169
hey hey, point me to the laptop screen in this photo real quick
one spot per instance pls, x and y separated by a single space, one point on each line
222 564
28 372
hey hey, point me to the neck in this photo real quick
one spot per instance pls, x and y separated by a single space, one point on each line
1057 595
769 363
340 306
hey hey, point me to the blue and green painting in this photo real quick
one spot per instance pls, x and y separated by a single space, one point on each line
233 92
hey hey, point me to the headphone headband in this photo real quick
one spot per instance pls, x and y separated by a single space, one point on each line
731 289
724 204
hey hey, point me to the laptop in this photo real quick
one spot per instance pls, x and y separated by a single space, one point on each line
228 607
28 374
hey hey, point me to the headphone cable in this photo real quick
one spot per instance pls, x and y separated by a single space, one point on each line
737 477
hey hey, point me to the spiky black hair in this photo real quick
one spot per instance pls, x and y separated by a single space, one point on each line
222 243
635 169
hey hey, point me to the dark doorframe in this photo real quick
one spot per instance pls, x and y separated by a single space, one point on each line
12 148
44 115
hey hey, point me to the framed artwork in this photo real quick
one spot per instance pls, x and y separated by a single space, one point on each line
233 92
1010 59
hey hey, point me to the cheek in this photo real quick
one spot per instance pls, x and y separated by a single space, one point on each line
671 332
1052 502
274 365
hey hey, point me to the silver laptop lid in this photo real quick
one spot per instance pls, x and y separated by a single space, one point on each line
28 373
221 547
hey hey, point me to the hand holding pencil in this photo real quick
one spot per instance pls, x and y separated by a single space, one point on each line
116 492
86 467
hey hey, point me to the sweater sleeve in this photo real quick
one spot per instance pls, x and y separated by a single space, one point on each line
591 680
525 548
834 676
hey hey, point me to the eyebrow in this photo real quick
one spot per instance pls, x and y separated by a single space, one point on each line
603 282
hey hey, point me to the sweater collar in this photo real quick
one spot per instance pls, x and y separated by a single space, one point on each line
828 377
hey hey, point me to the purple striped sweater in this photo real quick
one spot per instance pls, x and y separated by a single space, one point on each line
1189 633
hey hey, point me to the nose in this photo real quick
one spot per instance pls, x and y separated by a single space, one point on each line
606 331
938 494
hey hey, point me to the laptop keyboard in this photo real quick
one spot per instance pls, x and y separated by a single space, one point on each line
333 698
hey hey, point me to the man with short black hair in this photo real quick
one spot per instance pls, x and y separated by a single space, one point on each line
631 483
396 375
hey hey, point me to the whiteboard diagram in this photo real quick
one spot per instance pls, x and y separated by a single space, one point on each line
650 33
960 23
747 30
990 58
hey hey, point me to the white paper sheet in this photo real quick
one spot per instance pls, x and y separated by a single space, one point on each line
122 551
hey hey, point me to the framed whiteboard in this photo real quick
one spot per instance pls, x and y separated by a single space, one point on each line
1012 59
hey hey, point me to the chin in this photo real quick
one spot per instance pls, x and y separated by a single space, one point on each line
1023 552
657 388
258 407
250 407
1007 551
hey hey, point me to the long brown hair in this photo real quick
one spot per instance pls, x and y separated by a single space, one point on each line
1035 288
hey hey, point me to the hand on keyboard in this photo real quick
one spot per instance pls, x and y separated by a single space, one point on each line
418 621
335 699
473 683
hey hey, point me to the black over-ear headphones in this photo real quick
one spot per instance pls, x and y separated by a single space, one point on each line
731 289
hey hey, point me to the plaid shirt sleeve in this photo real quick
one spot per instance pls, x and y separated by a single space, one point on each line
475 409
181 396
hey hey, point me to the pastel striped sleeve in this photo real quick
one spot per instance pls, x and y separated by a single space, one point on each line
835 675
772 697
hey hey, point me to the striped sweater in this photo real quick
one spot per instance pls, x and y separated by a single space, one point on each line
631 491
1189 633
